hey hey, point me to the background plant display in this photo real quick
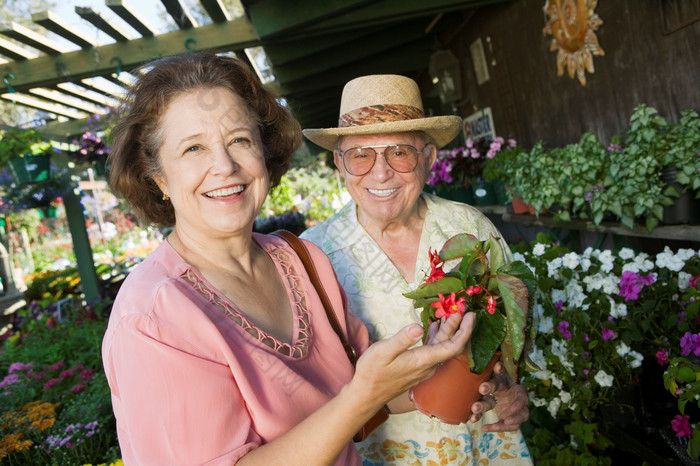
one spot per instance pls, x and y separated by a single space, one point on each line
601 317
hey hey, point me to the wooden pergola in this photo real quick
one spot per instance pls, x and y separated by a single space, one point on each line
313 47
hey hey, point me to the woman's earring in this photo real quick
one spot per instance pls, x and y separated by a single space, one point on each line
166 197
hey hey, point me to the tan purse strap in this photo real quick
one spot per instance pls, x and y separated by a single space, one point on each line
303 253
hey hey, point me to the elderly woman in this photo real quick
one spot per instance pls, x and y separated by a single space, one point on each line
218 349
378 244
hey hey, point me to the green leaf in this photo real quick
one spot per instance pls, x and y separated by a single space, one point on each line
458 246
498 258
445 286
515 296
488 334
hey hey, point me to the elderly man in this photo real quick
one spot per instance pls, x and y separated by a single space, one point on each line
384 147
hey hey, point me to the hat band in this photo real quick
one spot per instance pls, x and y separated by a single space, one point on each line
379 114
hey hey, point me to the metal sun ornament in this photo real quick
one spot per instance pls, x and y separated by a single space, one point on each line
572 24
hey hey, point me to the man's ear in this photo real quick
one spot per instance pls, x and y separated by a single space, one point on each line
338 162
432 156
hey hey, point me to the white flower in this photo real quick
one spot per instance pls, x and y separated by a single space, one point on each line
538 250
622 349
558 295
553 266
538 358
554 406
556 381
575 295
617 310
606 261
543 375
585 264
519 257
559 348
667 259
570 260
565 396
626 253
603 379
539 402
683 281
545 325
637 359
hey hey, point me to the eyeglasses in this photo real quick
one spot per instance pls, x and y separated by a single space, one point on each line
402 158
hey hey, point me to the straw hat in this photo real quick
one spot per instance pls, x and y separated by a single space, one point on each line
384 103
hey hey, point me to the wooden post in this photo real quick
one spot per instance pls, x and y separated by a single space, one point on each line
81 245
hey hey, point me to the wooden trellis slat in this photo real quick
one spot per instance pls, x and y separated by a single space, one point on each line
82 93
15 52
132 18
28 37
55 24
39 104
180 14
104 25
216 10
66 100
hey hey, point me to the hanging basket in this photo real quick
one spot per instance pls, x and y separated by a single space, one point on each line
30 168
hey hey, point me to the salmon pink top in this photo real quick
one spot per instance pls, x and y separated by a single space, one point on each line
193 381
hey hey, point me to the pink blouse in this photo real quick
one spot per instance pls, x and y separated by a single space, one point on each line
194 382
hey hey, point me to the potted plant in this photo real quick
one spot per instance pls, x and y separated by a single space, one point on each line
448 176
26 153
534 181
499 170
501 293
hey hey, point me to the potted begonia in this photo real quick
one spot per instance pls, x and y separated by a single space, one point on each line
469 274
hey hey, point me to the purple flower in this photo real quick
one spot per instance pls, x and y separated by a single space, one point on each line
9 380
588 196
690 343
585 338
629 289
608 334
614 147
563 328
19 366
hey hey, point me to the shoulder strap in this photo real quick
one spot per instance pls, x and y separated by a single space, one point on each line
305 257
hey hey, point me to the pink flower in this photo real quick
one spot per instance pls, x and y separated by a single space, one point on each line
491 306
695 281
662 357
473 290
51 383
77 388
608 334
681 426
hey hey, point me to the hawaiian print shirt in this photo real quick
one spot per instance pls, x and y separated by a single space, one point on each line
375 290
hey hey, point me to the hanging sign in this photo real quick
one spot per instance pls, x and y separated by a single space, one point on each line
479 125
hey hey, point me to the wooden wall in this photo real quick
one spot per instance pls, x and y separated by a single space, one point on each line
530 102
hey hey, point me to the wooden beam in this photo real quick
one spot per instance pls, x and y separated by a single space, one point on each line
15 52
216 11
28 37
43 71
281 52
104 25
55 24
132 18
97 85
63 130
180 14
33 102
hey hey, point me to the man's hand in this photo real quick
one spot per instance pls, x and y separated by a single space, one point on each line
508 398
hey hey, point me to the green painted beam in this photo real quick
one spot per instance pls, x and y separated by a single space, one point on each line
272 17
81 245
387 12
281 52
361 49
46 71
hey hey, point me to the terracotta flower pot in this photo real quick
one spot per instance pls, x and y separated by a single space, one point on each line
451 392
519 206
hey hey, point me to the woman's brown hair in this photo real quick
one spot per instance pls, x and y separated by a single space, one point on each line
135 140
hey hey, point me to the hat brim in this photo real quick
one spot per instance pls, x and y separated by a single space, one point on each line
442 129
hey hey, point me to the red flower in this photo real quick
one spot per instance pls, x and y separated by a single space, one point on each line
447 306
662 356
695 282
436 263
491 306
473 290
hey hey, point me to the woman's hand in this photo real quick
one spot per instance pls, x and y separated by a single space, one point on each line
508 398
389 368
